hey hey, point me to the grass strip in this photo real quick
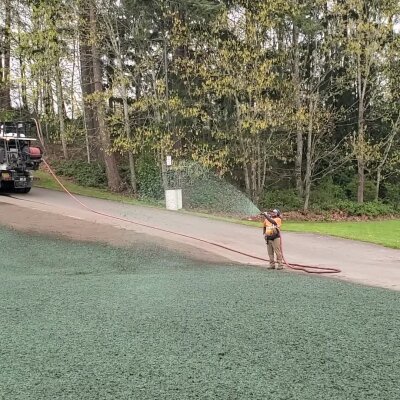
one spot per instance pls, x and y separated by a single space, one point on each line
386 233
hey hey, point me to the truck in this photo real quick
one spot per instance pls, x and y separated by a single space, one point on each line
19 157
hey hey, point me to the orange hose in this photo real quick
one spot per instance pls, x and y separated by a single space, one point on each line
297 267
309 269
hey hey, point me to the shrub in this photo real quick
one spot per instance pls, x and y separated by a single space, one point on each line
392 195
369 190
285 199
84 174
369 209
326 194
149 179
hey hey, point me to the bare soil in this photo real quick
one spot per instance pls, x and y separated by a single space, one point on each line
54 225
206 240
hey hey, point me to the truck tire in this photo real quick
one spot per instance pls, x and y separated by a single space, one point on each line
23 190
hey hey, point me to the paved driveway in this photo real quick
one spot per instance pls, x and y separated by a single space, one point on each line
360 262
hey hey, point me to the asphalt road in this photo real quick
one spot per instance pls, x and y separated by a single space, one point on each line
360 262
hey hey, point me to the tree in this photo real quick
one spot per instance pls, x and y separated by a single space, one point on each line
268 94
366 36
113 177
238 95
5 56
112 17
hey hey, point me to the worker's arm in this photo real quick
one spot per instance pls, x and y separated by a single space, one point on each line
271 220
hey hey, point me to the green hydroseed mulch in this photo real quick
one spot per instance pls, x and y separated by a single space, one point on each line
81 321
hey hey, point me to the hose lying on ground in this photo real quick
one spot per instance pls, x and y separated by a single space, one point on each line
297 267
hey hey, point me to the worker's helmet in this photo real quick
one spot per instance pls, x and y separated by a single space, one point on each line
276 212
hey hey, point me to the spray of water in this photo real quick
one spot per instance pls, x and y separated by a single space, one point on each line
204 191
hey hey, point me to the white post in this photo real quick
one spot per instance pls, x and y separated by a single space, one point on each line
179 198
173 197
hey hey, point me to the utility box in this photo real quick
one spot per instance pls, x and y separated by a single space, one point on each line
172 186
173 199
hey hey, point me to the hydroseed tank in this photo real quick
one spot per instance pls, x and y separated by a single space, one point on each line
19 157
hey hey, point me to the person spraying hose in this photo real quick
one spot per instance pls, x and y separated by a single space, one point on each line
272 235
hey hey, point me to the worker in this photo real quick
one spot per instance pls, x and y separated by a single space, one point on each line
272 235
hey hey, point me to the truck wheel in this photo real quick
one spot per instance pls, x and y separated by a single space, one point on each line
23 190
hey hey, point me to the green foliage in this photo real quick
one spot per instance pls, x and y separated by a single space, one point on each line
46 181
369 192
284 199
331 197
352 208
6 115
392 195
327 192
82 173
149 179
224 92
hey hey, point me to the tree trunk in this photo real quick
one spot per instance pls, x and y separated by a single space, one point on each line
378 183
360 136
157 117
381 165
87 142
60 110
87 85
47 97
22 68
361 178
1 76
113 177
35 94
308 173
129 136
247 179
253 180
87 89
299 133
124 95
5 87
24 91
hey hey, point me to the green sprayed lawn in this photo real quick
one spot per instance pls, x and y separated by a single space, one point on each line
386 233
83 321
